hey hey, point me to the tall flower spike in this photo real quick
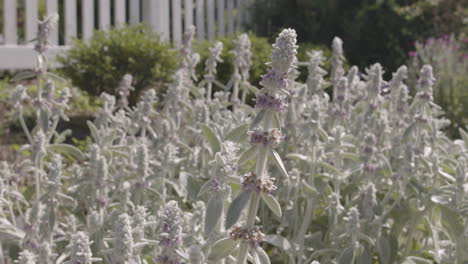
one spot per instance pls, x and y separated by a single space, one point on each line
337 70
123 239
79 250
45 28
26 257
283 59
171 234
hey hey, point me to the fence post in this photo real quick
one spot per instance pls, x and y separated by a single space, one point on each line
211 22
200 20
220 17
188 8
134 12
70 21
176 21
104 14
240 14
87 18
10 30
52 8
230 17
119 13
31 20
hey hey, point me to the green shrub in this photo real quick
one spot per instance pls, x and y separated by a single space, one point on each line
260 48
371 30
99 65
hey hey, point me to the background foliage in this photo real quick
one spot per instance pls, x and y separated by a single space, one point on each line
371 30
98 66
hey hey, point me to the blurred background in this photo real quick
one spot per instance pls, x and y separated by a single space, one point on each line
97 42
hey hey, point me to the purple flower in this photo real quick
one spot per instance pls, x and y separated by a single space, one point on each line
412 53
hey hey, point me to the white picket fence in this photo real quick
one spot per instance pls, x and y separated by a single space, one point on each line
168 17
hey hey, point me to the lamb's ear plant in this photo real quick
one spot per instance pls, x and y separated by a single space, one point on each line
242 63
265 136
366 175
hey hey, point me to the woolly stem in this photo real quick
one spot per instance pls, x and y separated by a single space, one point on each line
260 171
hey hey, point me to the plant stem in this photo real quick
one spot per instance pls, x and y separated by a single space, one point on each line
260 171
303 229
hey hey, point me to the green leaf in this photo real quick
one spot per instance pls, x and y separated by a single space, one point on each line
235 208
222 248
94 131
272 203
211 137
279 163
347 256
238 134
278 241
452 221
67 150
247 155
214 210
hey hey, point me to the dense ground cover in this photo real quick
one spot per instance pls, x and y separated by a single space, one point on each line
363 175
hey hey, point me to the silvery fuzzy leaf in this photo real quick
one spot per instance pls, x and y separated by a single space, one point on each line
177 188
351 156
257 120
441 199
296 156
308 189
464 136
94 131
323 135
365 257
23 75
194 185
329 167
220 160
452 221
447 176
416 260
278 241
214 210
9 234
238 134
276 121
205 187
66 150
272 203
211 137
262 256
386 249
346 256
222 248
44 119
279 163
235 209
247 155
